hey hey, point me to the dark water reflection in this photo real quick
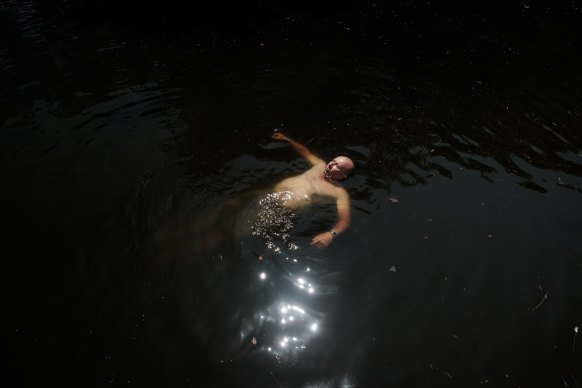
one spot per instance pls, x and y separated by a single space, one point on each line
136 143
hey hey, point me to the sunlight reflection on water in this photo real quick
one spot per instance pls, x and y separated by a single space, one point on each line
292 317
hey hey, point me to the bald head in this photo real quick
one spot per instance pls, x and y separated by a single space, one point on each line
339 168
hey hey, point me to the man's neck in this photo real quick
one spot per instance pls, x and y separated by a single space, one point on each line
328 178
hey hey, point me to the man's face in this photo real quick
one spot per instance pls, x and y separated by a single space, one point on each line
339 168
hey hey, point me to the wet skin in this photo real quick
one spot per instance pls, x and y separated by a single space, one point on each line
319 180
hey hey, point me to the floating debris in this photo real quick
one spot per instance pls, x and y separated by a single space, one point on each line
392 269
393 199
544 298
254 341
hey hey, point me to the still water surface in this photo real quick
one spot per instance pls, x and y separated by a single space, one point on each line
136 147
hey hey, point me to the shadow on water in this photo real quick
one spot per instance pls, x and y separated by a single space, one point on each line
135 148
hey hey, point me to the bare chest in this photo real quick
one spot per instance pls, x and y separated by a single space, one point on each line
305 189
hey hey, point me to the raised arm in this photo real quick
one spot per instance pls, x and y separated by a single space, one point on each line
322 240
314 160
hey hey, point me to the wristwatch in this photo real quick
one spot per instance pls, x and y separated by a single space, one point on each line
334 234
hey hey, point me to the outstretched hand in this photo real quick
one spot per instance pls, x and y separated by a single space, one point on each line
322 240
279 136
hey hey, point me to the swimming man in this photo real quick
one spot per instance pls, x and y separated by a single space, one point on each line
320 180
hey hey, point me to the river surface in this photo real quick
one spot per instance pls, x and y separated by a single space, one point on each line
137 157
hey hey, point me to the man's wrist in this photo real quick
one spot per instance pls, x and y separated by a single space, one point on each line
333 233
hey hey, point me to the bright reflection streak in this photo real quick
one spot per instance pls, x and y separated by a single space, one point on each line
302 284
288 327
299 324
295 327
298 309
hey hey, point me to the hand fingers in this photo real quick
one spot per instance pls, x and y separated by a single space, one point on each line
317 243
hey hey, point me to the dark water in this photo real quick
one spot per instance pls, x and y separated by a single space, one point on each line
136 142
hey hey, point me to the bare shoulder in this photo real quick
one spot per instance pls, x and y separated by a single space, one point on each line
316 169
341 193
319 164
